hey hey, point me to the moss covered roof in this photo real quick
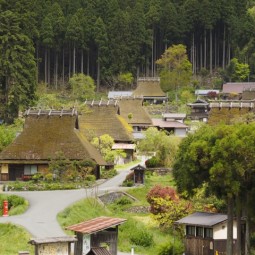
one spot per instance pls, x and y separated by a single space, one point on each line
104 119
134 107
45 135
225 114
148 88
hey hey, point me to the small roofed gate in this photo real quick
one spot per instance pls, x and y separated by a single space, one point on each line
139 172
97 233
198 246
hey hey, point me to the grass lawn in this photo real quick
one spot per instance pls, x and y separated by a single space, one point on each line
14 239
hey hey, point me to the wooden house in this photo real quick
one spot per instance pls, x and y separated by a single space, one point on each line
149 88
132 110
228 111
97 236
237 87
174 127
45 133
102 117
199 110
206 233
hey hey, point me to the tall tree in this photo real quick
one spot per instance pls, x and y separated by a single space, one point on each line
17 65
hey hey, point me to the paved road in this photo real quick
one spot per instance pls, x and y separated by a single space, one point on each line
40 218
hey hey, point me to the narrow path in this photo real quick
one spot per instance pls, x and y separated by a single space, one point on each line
40 218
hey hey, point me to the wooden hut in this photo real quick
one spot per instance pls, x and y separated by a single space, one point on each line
139 172
93 235
45 134
149 88
206 233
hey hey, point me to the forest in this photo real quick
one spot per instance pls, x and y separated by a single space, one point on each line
48 41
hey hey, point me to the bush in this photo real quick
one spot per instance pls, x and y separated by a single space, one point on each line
106 174
141 237
123 201
152 162
129 180
170 249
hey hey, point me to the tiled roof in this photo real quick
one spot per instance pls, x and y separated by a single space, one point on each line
168 124
237 87
135 107
96 225
100 120
45 135
203 219
149 88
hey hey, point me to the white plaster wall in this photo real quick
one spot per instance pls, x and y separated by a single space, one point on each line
180 132
220 231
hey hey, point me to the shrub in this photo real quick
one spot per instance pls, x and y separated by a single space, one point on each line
152 162
170 249
129 180
106 174
123 201
141 237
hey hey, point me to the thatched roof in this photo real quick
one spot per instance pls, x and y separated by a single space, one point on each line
149 88
104 119
44 135
134 107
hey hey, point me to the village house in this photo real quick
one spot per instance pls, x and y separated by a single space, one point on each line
102 117
238 90
132 110
149 89
199 110
227 111
206 233
45 134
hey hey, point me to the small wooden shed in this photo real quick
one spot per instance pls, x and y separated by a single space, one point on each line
139 172
53 245
93 235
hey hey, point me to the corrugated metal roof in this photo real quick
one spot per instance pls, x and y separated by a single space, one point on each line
174 115
204 92
118 94
203 219
96 225
100 251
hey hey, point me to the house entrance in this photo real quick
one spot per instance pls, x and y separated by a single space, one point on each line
16 172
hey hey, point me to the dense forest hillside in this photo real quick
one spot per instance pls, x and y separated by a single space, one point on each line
50 40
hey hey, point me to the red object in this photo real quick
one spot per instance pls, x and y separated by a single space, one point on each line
5 208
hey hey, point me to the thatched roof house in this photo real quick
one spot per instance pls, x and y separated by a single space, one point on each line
150 90
103 118
46 133
131 109
229 111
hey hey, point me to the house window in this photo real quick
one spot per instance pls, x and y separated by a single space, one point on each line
200 231
190 230
208 233
30 169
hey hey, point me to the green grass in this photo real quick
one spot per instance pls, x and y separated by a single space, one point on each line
19 206
14 239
